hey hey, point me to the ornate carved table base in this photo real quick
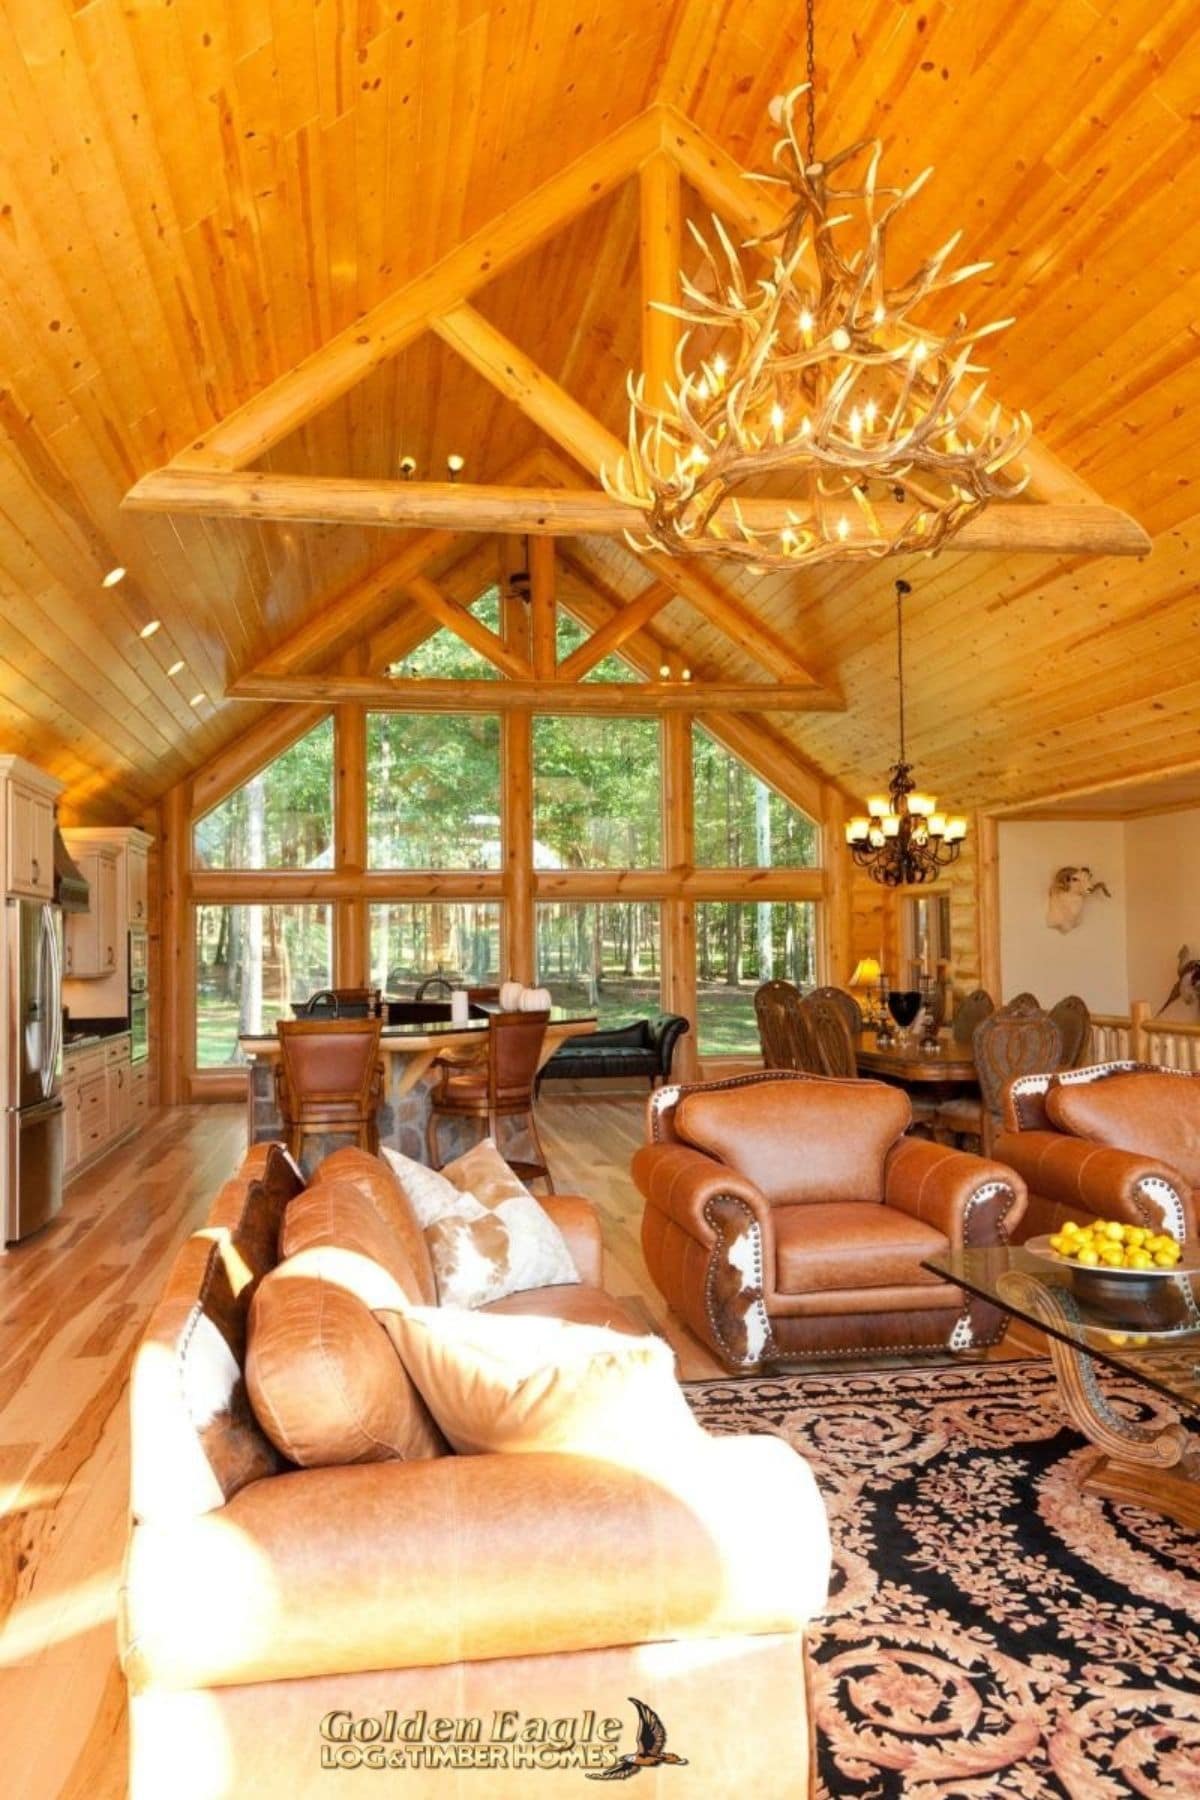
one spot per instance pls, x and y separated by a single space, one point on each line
1156 1467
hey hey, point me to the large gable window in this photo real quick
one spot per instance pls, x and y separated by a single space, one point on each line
741 823
282 818
253 964
433 791
597 793
739 945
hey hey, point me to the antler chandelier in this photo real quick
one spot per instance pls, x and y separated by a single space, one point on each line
905 839
818 370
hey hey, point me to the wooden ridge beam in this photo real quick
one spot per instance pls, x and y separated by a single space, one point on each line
384 329
1008 526
610 697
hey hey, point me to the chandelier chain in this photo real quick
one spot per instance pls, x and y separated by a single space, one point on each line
901 589
811 70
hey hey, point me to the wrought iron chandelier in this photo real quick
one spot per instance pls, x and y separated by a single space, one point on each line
904 839
816 369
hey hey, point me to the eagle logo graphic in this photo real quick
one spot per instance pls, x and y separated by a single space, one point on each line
651 1750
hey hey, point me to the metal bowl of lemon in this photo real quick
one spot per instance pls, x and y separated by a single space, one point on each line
1111 1247
1125 1275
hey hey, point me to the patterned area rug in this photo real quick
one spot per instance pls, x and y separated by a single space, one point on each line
991 1629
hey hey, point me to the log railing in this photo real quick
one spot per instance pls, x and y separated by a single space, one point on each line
1137 1037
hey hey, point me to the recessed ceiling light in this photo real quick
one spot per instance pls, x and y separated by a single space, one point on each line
197 700
408 467
175 667
150 627
454 462
113 576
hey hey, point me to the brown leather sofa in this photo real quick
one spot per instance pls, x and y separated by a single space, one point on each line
1116 1140
788 1215
265 1607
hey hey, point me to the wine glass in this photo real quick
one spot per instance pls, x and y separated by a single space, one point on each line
904 1004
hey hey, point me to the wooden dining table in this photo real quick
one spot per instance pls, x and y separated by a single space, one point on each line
939 1075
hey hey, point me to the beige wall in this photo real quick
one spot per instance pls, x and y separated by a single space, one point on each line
1162 861
1089 961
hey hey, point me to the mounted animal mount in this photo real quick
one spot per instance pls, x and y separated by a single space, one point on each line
1071 887
1187 981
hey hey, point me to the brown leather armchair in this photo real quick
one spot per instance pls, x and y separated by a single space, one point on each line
789 1215
1118 1140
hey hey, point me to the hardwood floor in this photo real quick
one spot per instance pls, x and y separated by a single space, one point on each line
73 1303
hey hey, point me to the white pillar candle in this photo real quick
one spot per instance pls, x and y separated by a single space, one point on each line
460 1007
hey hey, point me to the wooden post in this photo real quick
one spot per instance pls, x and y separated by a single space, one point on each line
987 858
679 915
1139 1043
838 924
659 248
350 849
517 775
177 1002
543 617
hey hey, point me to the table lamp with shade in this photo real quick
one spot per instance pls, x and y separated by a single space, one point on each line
868 979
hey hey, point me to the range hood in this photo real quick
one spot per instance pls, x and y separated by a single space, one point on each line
70 889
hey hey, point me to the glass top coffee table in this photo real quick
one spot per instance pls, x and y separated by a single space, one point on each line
1148 1328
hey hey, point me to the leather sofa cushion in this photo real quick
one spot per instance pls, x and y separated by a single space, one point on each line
378 1182
799 1142
830 1248
324 1379
533 1383
326 1384
581 1305
1156 1115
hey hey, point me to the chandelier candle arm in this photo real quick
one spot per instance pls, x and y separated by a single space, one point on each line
799 359
903 839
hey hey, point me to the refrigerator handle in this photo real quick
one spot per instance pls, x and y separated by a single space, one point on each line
51 1002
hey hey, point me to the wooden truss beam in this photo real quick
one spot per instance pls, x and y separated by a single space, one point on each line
343 361
1008 526
462 622
611 697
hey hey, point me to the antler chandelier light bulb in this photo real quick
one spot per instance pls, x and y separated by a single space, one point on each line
818 369
903 839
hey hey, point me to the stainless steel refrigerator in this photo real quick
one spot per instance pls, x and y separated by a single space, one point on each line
33 1106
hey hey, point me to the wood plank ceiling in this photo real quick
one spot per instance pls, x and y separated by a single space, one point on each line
194 196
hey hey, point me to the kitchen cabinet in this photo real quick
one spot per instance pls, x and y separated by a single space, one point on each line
29 799
104 1099
137 880
94 945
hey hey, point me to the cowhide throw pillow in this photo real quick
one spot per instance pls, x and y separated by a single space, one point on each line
486 1233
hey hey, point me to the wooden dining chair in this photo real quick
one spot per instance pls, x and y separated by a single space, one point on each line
846 1004
831 1038
1006 1046
497 1088
972 1012
1074 1022
329 1080
776 1009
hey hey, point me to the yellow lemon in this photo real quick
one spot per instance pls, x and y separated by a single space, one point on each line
1163 1259
1140 1259
1089 1257
1110 1229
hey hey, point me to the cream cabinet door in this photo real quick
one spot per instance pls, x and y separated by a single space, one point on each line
137 870
30 842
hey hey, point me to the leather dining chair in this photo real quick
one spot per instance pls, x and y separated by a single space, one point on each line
498 1087
1006 1046
329 1080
